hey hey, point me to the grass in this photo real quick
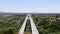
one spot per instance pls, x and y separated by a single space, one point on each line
28 28
47 25
11 28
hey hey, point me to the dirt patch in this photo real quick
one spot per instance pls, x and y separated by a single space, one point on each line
27 33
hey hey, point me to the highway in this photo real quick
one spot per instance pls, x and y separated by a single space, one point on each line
23 27
33 27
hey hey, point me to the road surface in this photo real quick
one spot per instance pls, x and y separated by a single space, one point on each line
33 27
23 26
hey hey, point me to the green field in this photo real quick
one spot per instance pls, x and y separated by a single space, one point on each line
44 24
47 25
10 24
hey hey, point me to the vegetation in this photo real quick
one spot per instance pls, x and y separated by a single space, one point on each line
47 25
44 24
10 24
28 27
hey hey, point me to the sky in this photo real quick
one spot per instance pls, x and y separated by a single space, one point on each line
30 6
